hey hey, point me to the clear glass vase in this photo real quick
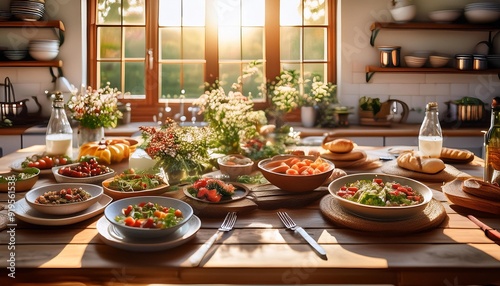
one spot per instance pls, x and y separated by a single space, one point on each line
86 134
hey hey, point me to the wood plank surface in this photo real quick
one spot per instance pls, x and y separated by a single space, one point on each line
260 251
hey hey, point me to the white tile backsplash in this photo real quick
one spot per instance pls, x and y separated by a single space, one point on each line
415 89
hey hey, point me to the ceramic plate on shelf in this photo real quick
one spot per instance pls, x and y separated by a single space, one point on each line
112 237
240 192
25 213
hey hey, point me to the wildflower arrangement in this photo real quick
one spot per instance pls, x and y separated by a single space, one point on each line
320 93
231 117
177 148
283 92
95 108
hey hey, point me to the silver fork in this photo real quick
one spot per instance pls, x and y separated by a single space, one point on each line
226 226
290 224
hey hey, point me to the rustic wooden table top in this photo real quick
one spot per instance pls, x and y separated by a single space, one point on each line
258 251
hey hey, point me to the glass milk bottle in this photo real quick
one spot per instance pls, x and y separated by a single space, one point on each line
59 137
492 145
430 137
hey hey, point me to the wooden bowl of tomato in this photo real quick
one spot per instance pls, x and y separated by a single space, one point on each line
296 173
148 216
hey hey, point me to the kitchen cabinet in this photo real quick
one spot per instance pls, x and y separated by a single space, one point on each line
376 27
10 143
59 29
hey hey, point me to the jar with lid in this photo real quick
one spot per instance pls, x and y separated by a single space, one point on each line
492 145
59 136
430 136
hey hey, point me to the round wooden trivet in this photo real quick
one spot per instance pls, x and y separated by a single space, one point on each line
432 216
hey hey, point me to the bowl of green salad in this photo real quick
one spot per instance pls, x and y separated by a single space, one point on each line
380 196
19 181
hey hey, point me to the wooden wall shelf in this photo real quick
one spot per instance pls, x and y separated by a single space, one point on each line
371 70
377 26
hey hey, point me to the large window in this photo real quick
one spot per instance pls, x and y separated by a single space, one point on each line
166 50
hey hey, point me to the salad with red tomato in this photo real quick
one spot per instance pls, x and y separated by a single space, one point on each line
376 192
150 215
210 189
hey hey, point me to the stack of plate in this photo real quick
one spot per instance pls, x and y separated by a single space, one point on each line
44 50
27 10
15 55
482 12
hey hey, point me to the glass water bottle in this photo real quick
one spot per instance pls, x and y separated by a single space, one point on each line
430 137
59 137
492 145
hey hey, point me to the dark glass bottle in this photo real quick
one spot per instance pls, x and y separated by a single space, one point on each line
59 138
492 145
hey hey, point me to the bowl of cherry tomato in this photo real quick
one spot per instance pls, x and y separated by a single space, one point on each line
63 199
148 216
86 171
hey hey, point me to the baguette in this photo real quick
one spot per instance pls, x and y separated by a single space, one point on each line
456 155
413 162
339 145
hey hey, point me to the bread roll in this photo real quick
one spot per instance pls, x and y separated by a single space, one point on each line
413 162
339 145
456 155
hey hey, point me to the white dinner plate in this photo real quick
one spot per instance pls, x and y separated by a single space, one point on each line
114 238
26 213
16 166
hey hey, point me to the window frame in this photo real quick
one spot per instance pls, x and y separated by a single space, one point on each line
143 108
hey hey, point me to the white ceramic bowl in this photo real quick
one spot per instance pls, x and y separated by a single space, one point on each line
479 16
85 180
439 61
415 61
115 209
63 209
404 14
44 55
381 212
445 16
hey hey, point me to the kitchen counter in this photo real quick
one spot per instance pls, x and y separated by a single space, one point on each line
396 130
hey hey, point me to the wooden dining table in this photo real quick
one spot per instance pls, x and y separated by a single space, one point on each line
259 250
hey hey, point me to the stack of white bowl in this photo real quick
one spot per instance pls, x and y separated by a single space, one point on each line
482 12
15 55
415 61
43 50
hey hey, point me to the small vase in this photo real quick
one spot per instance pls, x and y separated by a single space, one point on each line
308 116
89 134
176 177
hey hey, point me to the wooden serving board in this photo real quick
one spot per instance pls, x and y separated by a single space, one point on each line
448 174
455 194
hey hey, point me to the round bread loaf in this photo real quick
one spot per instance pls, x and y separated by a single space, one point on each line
339 145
